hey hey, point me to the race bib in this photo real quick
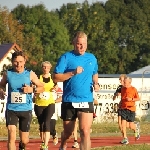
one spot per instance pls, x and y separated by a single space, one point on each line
81 105
18 97
45 95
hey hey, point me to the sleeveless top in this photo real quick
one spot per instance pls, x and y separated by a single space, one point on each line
45 98
17 100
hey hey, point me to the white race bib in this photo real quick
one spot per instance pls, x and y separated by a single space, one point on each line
18 97
45 95
81 105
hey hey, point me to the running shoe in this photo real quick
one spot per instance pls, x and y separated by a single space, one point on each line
75 145
125 141
44 147
21 146
55 140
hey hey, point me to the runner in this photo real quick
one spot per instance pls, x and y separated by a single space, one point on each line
116 94
19 100
45 105
78 70
129 96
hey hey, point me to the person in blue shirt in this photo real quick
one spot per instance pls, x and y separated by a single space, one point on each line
19 99
78 70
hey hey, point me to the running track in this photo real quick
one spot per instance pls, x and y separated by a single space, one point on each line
34 144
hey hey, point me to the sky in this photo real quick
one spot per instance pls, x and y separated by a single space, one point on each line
49 4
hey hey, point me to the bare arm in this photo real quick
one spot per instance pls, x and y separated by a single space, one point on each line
58 99
3 83
95 82
66 76
38 86
62 77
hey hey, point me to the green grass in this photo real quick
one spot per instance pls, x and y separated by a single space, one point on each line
101 129
126 147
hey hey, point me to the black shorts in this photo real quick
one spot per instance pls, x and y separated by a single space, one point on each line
127 115
69 113
24 118
119 112
44 114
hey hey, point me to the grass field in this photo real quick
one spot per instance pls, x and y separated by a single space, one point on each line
126 147
101 129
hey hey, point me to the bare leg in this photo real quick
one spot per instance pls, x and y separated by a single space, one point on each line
132 126
67 133
42 136
75 133
127 124
119 123
46 138
124 122
85 122
24 137
11 137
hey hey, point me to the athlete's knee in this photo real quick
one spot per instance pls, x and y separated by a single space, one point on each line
12 133
25 140
85 132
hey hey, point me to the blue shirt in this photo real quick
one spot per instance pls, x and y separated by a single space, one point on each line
15 82
79 87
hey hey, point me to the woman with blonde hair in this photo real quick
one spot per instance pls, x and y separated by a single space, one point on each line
45 104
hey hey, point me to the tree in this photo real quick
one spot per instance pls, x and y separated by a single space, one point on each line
10 29
46 37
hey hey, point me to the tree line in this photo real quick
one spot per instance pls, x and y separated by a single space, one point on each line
118 32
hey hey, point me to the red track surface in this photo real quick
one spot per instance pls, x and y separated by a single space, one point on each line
34 144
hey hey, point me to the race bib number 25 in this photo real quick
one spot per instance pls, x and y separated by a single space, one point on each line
81 105
17 97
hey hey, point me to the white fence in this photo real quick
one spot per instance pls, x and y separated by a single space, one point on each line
107 108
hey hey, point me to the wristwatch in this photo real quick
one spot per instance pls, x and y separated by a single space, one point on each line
34 89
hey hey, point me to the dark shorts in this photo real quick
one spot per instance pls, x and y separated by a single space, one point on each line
44 114
69 113
24 118
127 115
119 112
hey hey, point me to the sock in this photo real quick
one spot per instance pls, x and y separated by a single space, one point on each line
75 140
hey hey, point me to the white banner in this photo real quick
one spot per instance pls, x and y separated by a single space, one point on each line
106 110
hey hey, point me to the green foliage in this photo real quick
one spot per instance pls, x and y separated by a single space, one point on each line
46 38
118 32
10 29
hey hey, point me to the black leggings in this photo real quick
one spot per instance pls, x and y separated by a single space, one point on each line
44 114
52 127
